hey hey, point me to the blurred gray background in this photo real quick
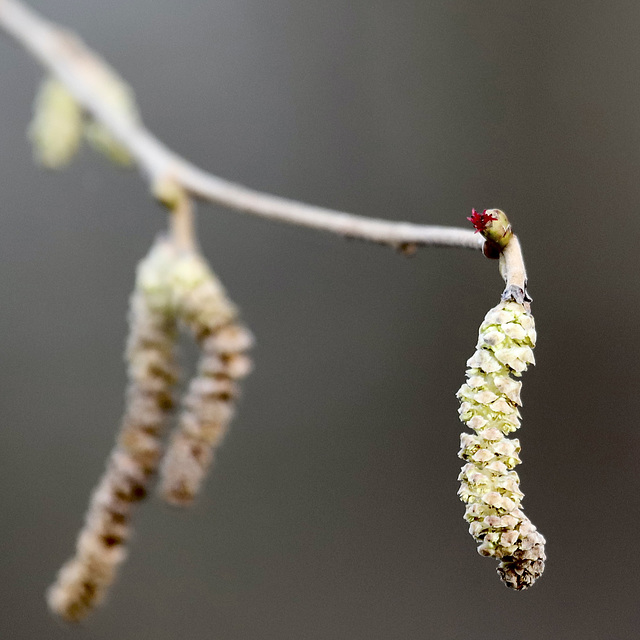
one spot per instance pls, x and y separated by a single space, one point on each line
332 509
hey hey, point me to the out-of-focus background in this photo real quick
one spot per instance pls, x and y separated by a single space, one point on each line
332 509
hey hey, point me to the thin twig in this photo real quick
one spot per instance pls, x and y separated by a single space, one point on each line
64 55
77 67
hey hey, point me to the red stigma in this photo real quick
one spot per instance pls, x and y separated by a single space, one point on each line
480 220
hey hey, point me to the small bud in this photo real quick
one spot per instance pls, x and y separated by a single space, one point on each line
168 192
491 250
494 227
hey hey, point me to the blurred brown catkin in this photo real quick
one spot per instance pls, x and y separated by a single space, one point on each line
208 406
172 285
83 581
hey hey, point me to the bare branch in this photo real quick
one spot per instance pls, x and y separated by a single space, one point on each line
80 70
66 57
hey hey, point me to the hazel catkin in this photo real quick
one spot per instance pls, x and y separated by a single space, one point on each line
489 486
203 306
84 580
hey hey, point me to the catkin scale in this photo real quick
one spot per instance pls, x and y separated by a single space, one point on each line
208 406
489 405
83 581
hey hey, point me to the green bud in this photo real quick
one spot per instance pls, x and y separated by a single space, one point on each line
498 230
494 227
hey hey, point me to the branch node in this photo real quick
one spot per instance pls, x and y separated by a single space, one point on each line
168 191
408 248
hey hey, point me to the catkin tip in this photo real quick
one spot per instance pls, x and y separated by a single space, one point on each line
521 570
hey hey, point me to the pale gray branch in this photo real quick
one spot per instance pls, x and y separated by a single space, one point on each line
66 57
77 67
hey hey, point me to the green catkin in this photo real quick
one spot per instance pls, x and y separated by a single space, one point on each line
56 128
489 486
84 580
202 305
